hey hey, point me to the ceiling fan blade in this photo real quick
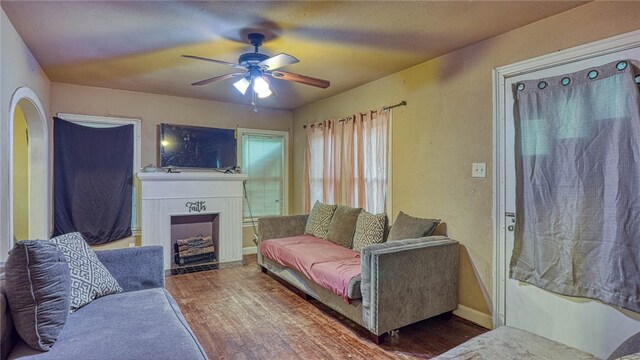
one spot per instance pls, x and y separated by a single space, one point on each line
213 61
278 61
307 80
217 78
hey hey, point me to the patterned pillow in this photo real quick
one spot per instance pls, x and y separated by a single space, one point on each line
369 230
89 278
319 220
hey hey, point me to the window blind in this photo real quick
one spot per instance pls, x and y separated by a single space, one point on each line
263 162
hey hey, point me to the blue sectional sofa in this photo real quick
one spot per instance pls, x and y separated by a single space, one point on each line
143 322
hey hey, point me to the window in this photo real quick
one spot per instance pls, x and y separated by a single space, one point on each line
263 155
102 122
347 162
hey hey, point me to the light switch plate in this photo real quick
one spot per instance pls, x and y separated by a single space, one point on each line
479 170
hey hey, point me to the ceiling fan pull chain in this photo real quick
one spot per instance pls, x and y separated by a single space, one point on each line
254 101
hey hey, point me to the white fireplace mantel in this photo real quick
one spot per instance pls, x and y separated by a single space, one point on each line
172 194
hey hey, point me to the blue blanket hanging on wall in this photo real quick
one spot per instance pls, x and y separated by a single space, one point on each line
93 173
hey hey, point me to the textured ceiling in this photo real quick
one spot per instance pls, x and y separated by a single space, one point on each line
137 45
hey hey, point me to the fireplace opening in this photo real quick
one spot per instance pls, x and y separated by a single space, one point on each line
194 242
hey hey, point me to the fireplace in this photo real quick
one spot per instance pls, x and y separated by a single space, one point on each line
194 240
183 205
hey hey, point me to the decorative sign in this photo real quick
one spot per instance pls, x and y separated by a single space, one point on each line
197 206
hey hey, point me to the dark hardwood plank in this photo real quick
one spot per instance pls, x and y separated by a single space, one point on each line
242 313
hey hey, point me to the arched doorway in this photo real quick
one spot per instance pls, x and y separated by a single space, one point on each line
20 175
27 116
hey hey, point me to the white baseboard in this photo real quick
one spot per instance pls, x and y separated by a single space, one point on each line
474 316
250 250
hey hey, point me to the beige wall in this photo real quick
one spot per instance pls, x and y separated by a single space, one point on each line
247 236
18 68
447 126
154 109
20 176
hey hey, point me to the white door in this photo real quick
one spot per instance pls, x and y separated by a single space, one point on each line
579 322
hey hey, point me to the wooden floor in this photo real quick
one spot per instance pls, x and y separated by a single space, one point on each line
241 313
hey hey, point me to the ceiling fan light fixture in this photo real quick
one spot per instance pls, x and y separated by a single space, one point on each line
242 85
265 93
260 85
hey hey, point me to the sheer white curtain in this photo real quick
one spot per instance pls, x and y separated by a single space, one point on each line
375 145
346 161
313 166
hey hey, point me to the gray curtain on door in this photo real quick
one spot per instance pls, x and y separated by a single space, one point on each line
578 184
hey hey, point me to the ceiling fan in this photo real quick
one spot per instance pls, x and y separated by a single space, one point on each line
256 68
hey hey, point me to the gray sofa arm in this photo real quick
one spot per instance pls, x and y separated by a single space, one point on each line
275 227
135 268
628 347
407 281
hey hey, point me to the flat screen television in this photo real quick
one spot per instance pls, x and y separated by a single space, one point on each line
197 147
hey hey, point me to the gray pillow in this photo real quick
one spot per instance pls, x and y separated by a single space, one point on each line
8 334
343 225
319 220
369 230
409 227
89 278
38 291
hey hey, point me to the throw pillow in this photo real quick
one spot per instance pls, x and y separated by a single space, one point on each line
8 333
89 278
38 291
343 225
369 230
409 227
319 220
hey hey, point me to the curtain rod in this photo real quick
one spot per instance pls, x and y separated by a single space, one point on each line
401 103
